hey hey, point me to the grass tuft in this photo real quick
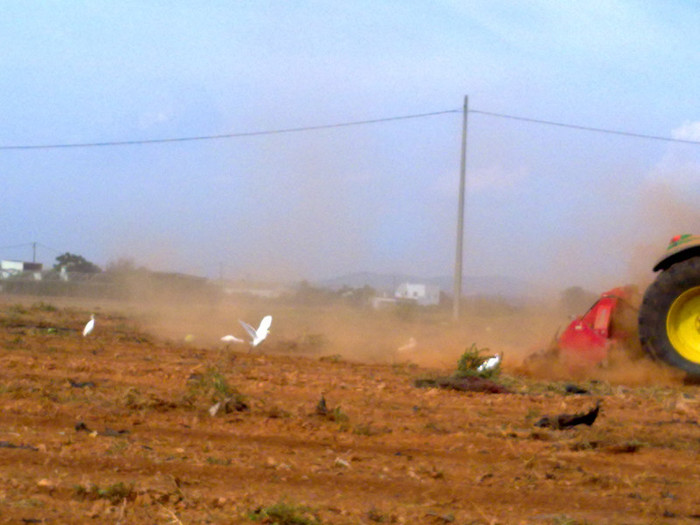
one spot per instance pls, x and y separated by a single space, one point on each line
212 387
470 361
115 493
283 513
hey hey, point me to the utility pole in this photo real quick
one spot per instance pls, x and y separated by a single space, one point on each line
460 216
34 252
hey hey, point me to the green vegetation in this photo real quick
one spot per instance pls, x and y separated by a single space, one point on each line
470 361
218 461
118 447
369 430
17 309
468 377
283 513
44 307
211 387
30 503
115 493
566 520
335 358
75 263
338 415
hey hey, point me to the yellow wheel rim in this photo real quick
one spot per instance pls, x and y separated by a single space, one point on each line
683 324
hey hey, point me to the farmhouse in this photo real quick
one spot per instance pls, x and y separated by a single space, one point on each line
13 268
423 294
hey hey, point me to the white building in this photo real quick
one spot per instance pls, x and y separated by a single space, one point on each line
11 268
423 294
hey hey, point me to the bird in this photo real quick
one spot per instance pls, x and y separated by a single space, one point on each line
89 327
259 335
570 420
321 407
575 389
228 339
408 346
490 364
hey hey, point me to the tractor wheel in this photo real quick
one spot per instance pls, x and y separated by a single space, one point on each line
669 319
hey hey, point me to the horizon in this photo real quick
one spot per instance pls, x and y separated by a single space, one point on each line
488 284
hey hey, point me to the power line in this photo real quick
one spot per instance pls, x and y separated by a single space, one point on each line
23 245
585 128
33 245
347 124
229 135
48 247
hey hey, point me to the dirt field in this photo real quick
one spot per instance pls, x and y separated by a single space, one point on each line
116 428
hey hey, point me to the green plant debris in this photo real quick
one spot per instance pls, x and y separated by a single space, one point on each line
470 361
218 461
115 493
283 513
211 387
44 307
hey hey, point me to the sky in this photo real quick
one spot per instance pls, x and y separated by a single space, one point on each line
550 205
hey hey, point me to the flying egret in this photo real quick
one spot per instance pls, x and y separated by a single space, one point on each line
490 364
89 326
228 339
408 346
259 335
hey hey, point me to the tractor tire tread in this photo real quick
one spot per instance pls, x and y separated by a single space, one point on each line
656 303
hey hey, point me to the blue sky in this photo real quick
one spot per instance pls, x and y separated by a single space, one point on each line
544 203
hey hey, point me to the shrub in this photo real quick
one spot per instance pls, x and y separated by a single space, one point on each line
284 513
470 361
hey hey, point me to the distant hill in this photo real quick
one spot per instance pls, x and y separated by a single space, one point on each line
486 285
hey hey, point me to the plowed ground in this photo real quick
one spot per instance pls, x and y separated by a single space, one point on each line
149 451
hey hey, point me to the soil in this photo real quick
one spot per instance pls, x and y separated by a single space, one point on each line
117 427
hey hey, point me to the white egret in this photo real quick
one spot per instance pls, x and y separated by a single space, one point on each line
259 335
89 327
408 346
490 364
228 339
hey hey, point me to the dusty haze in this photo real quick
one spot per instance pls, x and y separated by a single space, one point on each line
406 335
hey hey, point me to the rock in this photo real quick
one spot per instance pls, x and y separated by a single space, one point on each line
46 483
340 462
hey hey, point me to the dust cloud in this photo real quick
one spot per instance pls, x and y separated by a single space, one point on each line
663 213
195 314
426 338
394 335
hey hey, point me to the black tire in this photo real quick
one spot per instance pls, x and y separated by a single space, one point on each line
681 278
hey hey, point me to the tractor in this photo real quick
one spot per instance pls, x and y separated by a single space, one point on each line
668 320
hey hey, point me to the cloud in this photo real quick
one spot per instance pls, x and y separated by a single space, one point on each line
152 118
679 168
688 131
